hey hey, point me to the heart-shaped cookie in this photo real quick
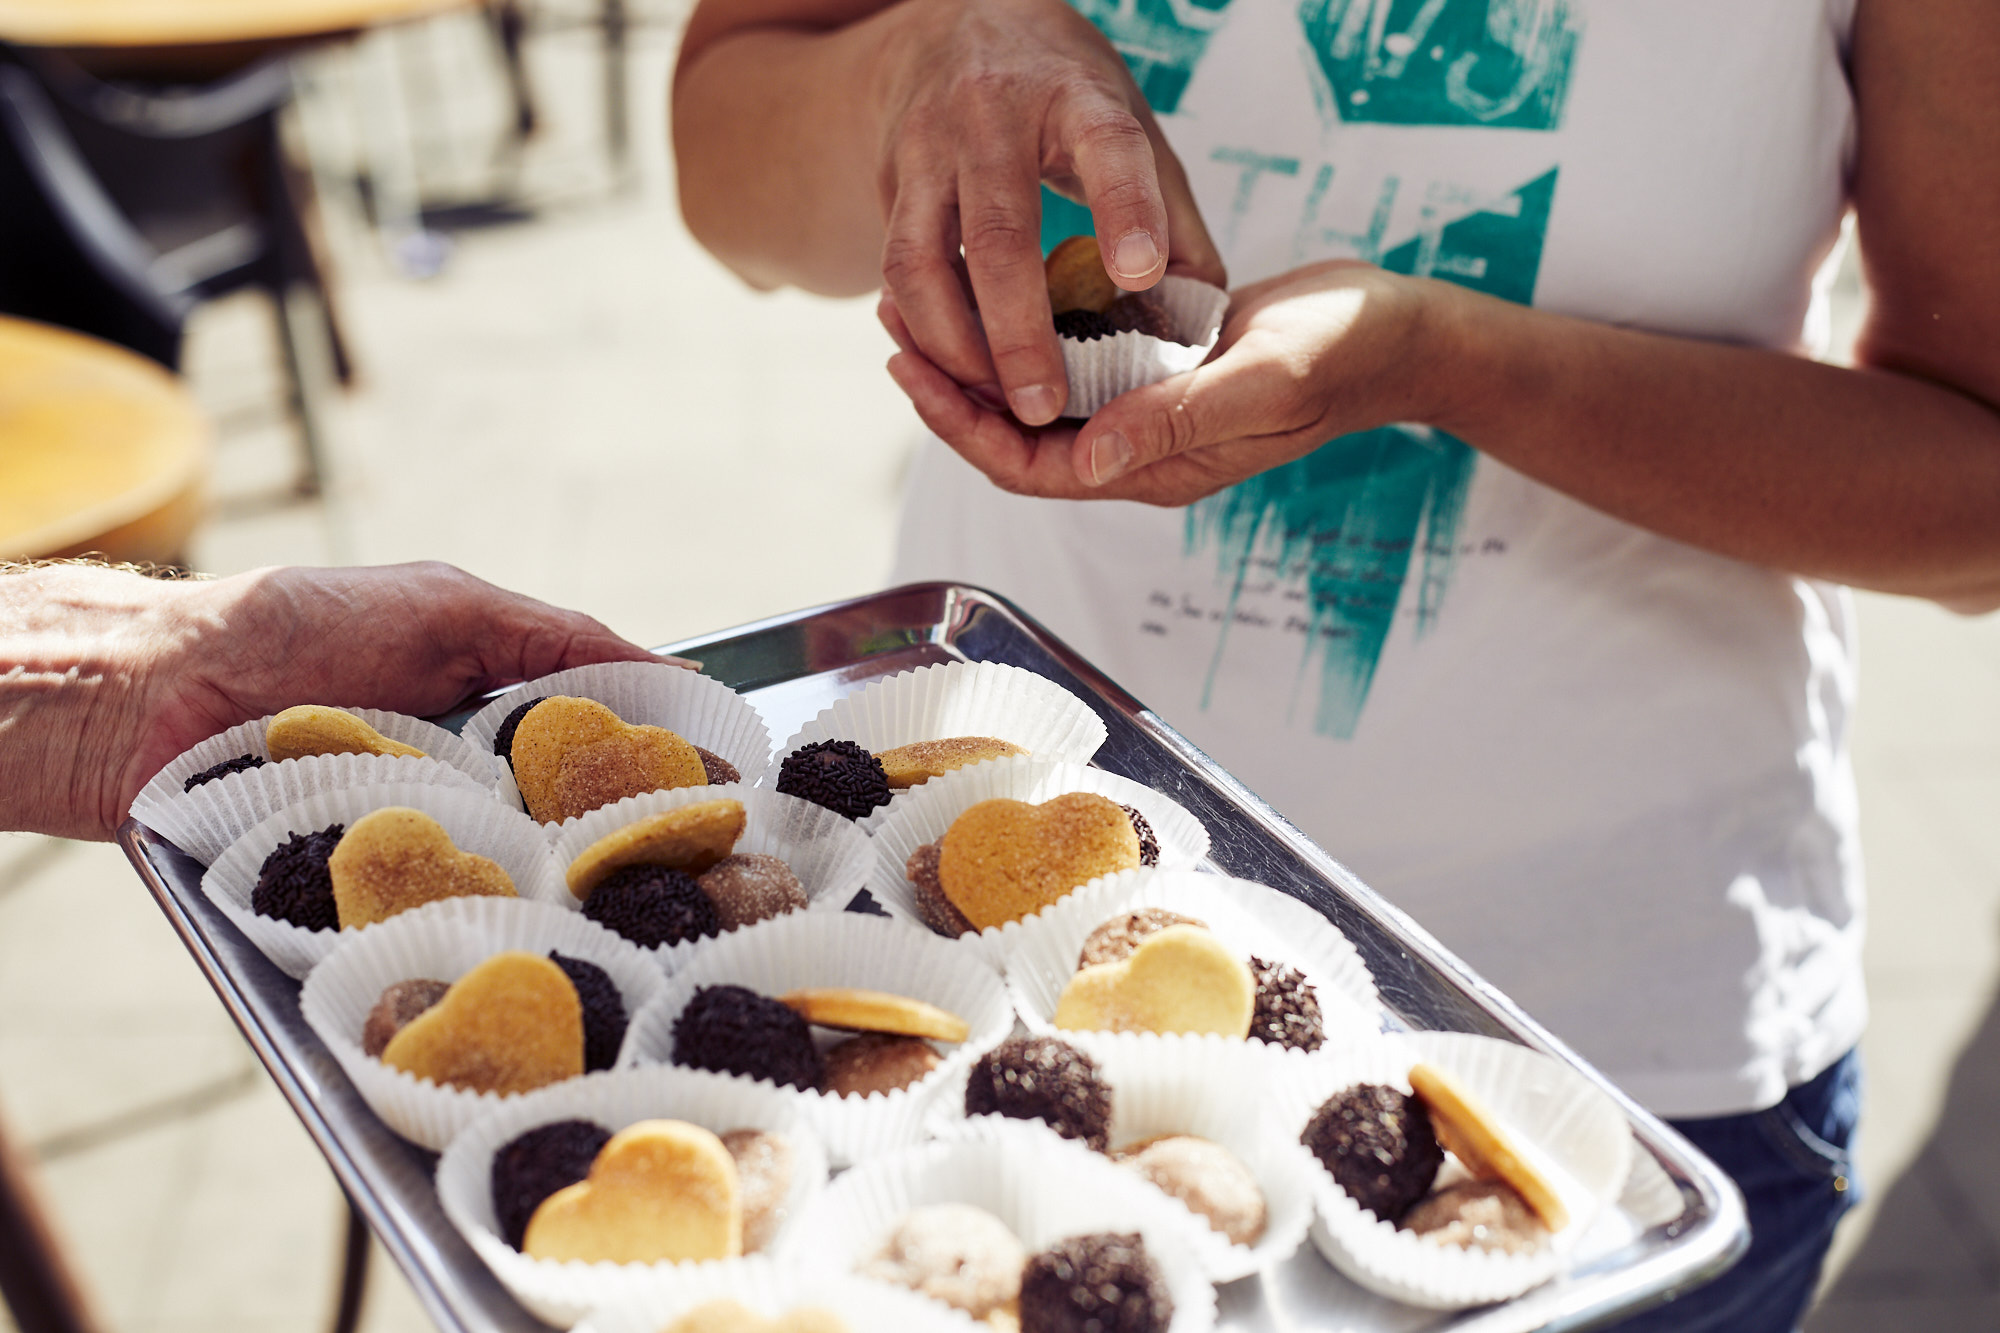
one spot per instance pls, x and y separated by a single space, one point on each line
317 729
509 1025
853 1010
692 838
660 1190
915 764
573 755
726 1316
1003 860
393 859
1483 1143
1181 979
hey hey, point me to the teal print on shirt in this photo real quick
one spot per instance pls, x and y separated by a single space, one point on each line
1162 40
1350 518
1504 63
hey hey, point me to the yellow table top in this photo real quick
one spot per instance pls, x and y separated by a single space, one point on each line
92 437
197 22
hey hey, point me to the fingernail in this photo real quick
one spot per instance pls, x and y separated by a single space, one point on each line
1110 454
1036 404
988 396
1136 255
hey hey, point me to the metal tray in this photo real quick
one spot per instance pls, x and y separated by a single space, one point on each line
1679 1225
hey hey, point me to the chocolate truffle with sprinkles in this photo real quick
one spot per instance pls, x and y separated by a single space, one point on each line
1083 325
242 763
1101 1283
839 775
734 1030
294 884
1378 1144
717 769
1286 1012
652 905
530 1168
1149 842
1046 1079
603 1010
503 739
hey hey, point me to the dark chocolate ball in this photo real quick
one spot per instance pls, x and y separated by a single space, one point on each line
733 1030
1046 1079
242 763
1287 1008
1101 1283
603 1010
1379 1145
294 884
1149 842
1083 325
530 1168
503 739
652 905
839 775
1138 312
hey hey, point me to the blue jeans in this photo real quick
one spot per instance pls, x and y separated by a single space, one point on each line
1795 1166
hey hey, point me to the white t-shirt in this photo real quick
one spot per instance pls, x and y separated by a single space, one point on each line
1608 769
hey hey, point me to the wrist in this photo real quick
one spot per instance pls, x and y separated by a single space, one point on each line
1463 334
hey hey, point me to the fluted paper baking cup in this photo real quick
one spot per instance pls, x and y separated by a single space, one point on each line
1043 1188
476 822
1163 1087
807 949
771 1290
926 813
1102 368
831 857
561 1293
1569 1129
701 710
443 941
1252 919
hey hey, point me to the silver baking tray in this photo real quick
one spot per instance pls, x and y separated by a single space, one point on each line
1679 1225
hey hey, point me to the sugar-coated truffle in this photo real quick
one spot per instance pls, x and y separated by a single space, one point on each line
839 775
934 909
530 1168
763 1180
1211 1180
1046 1079
748 887
1286 1011
399 1005
294 884
734 1030
242 763
1101 1283
955 1253
718 769
652 905
1478 1214
1117 937
503 739
603 1010
1149 841
1378 1144
877 1062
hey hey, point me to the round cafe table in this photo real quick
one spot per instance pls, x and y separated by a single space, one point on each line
167 23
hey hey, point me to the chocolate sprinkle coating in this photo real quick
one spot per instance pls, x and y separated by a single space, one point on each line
1083 325
242 763
294 884
1379 1145
839 775
530 1168
1102 1283
717 769
603 1010
503 739
1149 842
652 905
734 1030
1046 1079
1287 1008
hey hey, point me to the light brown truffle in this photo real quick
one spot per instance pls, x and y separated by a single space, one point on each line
1207 1177
392 1013
764 1166
1478 1214
934 909
749 887
876 1062
1118 937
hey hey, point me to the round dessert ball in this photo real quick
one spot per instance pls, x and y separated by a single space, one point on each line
1286 1011
1046 1079
748 887
1379 1146
877 1062
652 905
603 1010
1102 1283
716 769
955 1253
242 763
734 1030
503 739
764 1180
294 884
399 1006
934 907
1478 1214
1149 842
530 1168
1114 940
839 775
1211 1180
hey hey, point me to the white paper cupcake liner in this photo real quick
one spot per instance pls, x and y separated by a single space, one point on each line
700 710
772 1289
476 822
1042 1187
1575 1133
563 1292
1251 919
442 942
842 949
926 813
831 857
1220 1094
204 821
1102 368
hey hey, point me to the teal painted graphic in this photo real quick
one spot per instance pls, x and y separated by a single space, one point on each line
1504 63
1162 40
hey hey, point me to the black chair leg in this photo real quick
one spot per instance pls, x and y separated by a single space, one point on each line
36 1282
353 1272
510 25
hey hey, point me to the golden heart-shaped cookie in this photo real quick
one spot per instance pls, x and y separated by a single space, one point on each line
915 764
316 729
573 755
660 1190
853 1010
1181 979
511 1024
726 1316
1003 860
395 858
1483 1144
692 838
